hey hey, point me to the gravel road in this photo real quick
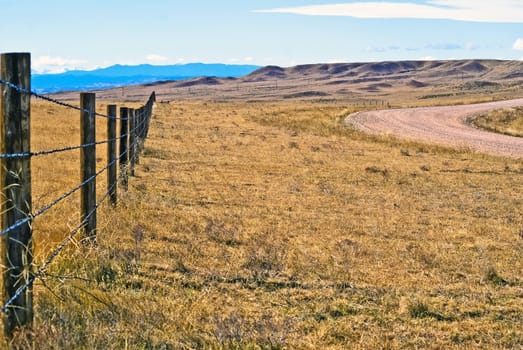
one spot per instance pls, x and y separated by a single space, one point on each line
441 125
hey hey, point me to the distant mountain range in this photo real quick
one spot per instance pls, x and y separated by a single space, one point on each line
121 75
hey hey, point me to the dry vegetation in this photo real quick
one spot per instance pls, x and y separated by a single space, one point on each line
271 226
508 121
371 84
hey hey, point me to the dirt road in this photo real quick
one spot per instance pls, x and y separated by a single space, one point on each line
441 125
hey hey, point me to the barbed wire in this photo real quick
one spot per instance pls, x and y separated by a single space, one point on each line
47 207
64 196
68 238
53 151
55 101
55 253
75 189
139 126
71 148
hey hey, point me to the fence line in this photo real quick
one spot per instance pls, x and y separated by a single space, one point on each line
53 151
49 99
15 175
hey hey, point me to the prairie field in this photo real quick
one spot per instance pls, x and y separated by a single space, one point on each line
271 225
508 121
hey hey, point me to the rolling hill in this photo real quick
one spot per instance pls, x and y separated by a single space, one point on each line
383 83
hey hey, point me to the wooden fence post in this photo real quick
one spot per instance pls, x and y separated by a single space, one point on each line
142 123
88 163
132 141
149 107
124 137
139 124
15 183
111 155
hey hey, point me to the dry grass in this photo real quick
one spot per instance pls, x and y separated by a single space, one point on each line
508 121
271 226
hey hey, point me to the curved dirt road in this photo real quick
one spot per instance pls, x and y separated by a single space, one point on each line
441 125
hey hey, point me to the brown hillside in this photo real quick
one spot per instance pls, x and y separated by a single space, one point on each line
355 83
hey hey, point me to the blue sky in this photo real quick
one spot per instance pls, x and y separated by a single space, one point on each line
67 34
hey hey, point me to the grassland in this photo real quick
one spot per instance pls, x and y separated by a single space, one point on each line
272 226
507 121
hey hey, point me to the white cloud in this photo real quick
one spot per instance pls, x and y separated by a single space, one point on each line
500 11
245 60
57 64
153 58
383 48
435 47
444 47
518 44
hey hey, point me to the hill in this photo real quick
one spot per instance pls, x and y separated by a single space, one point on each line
378 83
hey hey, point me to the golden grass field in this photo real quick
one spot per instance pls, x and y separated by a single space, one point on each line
273 226
507 121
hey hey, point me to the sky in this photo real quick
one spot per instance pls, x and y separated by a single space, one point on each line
67 34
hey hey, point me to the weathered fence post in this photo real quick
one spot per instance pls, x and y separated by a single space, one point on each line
132 141
140 130
124 153
138 127
149 107
111 154
144 123
88 163
15 183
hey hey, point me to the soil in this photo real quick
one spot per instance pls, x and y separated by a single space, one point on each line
448 126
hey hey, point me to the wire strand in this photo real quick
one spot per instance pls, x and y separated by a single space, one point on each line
55 253
47 207
53 151
55 101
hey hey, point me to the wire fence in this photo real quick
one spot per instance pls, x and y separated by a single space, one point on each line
49 99
15 156
53 151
